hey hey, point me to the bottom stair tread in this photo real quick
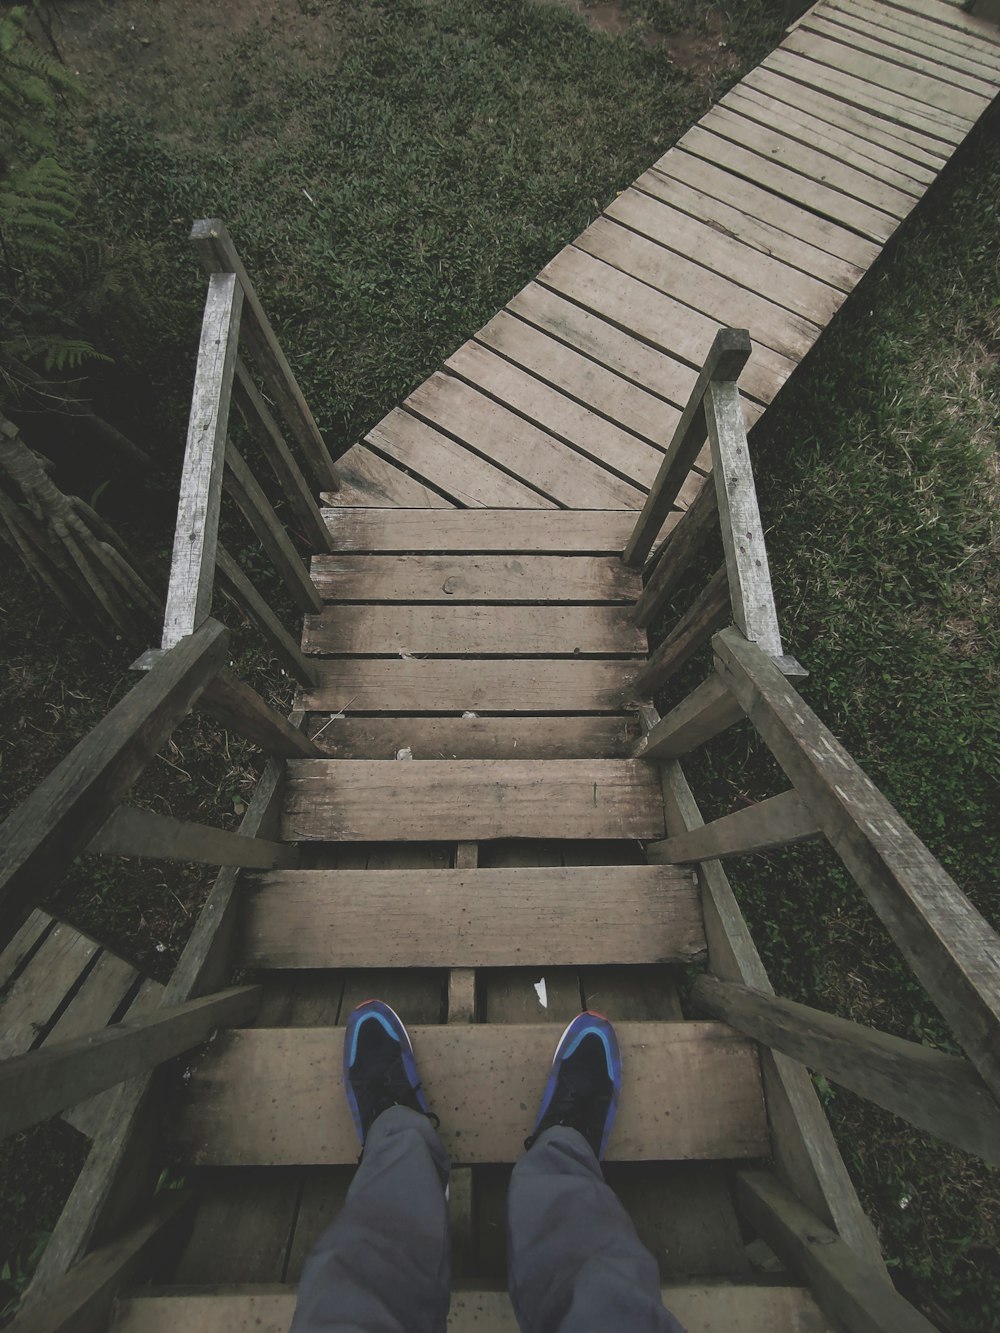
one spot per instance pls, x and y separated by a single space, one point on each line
700 1307
272 1096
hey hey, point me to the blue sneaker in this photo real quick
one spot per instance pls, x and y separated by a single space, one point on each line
583 1087
379 1068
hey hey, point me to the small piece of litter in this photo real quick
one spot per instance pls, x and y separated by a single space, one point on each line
470 714
542 993
404 753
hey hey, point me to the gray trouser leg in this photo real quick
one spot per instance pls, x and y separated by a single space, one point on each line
385 1264
575 1262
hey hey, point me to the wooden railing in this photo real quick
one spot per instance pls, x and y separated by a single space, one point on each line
233 319
740 590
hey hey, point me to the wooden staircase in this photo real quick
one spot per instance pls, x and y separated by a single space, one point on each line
485 882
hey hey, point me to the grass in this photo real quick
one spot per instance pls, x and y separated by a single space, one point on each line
392 174
878 482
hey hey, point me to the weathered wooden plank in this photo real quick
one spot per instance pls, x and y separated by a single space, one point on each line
654 317
948 16
192 565
902 50
955 110
949 946
701 1308
474 578
868 158
701 1094
707 710
40 991
939 1093
39 1084
218 254
98 1000
724 254
354 800
268 528
24 943
581 377
134 832
811 194
443 686
237 586
912 117
757 202
710 611
870 204
467 918
267 433
593 436
40 838
368 479
750 592
648 367
243 1229
700 287
83 1298
742 229
851 1293
728 354
457 471
109 1184
805 1153
471 630
923 156
773 822
550 532
529 453
954 50
235 704
673 559
475 737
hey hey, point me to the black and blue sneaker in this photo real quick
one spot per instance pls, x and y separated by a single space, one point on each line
583 1087
379 1067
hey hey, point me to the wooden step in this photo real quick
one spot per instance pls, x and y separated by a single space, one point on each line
471 918
474 630
524 531
273 1096
442 685
475 737
475 578
470 800
700 1307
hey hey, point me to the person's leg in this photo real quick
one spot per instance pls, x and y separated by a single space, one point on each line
384 1264
575 1262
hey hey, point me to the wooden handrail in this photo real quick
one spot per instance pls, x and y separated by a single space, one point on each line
219 255
40 1084
192 566
775 822
950 947
727 356
61 816
939 1093
132 832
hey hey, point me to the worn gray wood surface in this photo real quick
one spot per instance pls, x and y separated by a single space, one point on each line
950 947
238 587
134 832
673 558
709 612
773 822
707 710
192 566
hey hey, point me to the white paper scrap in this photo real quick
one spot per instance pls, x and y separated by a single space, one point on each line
540 991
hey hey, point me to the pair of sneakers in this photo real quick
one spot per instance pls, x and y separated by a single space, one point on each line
582 1090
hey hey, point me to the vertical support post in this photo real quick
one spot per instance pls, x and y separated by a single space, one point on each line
218 255
192 566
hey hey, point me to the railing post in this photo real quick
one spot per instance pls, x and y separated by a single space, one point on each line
218 255
726 358
192 567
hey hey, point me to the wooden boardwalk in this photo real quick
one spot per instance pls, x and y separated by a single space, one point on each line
765 215
471 842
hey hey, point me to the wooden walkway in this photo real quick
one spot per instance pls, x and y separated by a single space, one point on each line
471 846
765 215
